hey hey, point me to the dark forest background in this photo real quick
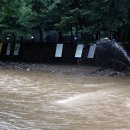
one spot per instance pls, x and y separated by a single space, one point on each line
87 19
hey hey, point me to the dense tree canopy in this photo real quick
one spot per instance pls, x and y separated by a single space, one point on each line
84 17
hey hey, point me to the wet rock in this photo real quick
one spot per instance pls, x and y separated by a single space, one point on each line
69 69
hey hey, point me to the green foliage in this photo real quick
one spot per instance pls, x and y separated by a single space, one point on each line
16 15
83 16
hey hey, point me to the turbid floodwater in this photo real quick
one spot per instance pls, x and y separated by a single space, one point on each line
63 101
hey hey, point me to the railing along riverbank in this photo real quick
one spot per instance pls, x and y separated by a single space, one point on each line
48 52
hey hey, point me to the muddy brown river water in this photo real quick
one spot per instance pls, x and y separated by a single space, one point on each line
63 101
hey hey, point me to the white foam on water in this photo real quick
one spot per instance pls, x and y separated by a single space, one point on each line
82 99
128 103
70 99
10 115
10 126
98 85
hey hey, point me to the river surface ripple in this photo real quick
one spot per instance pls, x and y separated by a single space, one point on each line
56 101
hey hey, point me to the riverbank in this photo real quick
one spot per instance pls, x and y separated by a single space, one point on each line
66 69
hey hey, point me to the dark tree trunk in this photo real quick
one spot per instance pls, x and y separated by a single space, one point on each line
41 35
13 42
76 31
60 37
71 33
21 39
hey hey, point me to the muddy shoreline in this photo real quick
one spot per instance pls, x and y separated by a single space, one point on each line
66 69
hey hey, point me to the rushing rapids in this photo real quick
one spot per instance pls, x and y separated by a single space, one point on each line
63 101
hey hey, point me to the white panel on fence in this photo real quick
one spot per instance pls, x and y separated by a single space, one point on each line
59 49
92 51
79 51
8 49
16 49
